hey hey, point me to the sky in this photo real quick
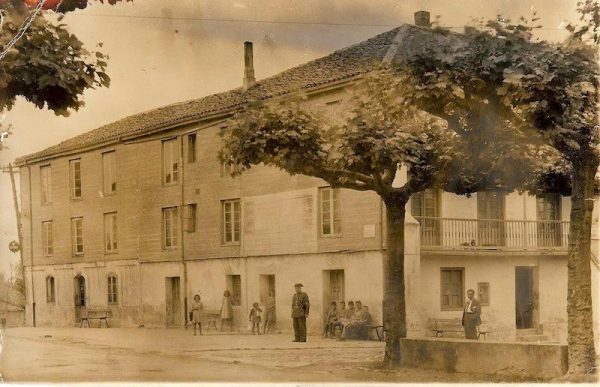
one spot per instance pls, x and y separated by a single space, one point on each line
162 52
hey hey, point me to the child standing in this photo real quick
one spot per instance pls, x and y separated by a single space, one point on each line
254 317
332 319
196 314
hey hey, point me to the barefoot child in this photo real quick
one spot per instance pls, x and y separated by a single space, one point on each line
196 313
255 317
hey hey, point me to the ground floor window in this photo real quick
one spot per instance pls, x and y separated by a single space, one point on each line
50 290
452 287
112 290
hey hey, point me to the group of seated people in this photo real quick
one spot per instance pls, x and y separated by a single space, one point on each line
353 321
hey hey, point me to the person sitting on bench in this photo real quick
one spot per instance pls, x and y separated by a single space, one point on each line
347 315
356 326
331 320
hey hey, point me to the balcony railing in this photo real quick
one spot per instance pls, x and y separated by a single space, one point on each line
493 234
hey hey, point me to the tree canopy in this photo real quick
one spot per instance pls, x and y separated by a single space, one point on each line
48 66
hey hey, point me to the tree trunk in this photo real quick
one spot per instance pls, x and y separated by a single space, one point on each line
579 298
394 303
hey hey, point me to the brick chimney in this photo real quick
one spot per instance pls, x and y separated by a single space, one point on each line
422 19
249 79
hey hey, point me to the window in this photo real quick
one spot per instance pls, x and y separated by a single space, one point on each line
77 235
47 239
548 215
46 184
50 290
191 141
483 293
234 282
170 227
425 206
109 172
110 232
330 211
225 170
490 213
75 175
190 217
231 221
170 161
112 289
452 288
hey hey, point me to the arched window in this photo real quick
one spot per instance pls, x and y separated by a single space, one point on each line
50 290
112 289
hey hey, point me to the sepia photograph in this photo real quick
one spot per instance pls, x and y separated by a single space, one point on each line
311 192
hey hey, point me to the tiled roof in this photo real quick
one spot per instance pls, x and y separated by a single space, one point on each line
342 64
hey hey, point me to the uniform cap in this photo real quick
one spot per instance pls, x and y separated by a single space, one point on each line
298 285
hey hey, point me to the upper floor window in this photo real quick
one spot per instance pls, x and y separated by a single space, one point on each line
231 221
452 288
170 161
109 172
77 235
75 176
425 205
110 232
191 142
490 213
548 207
330 211
112 289
190 217
46 184
50 290
170 227
47 239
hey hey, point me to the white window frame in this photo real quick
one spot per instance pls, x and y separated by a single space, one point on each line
170 161
46 184
330 212
170 227
74 182
110 233
77 236
112 289
47 238
109 172
231 233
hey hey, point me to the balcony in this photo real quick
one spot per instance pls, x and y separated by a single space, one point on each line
493 234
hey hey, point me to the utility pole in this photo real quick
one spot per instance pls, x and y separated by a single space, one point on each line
19 228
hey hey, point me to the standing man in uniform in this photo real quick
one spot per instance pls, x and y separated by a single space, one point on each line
471 316
300 308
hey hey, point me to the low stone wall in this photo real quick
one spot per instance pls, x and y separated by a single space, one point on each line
456 355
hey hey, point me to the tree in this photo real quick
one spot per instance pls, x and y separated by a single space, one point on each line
499 77
362 152
48 66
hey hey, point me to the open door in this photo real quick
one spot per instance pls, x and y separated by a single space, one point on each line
526 297
333 288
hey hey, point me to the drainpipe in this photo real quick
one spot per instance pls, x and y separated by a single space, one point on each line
185 279
31 247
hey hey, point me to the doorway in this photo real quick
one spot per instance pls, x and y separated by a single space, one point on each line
173 301
490 218
526 297
80 296
267 288
333 288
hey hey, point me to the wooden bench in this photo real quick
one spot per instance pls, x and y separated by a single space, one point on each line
454 325
379 331
94 314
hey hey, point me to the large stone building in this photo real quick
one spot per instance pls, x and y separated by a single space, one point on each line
138 216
